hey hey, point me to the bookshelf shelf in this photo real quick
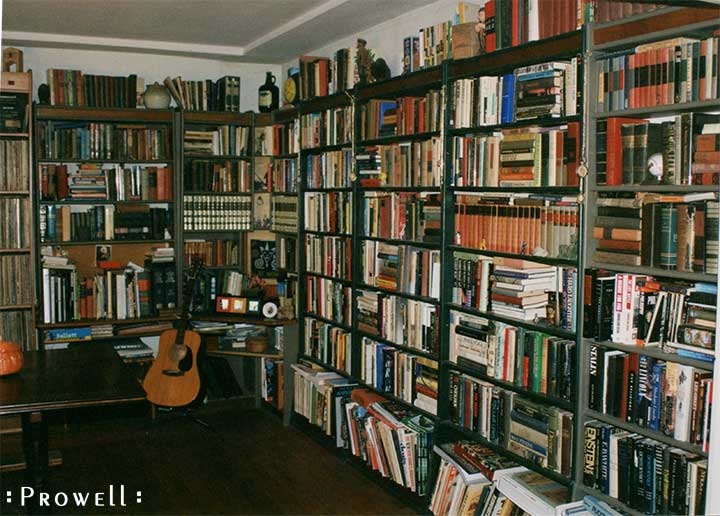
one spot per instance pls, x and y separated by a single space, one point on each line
329 189
17 193
21 250
654 352
216 157
396 241
565 262
242 319
655 271
659 111
420 189
217 117
557 477
93 202
108 242
328 233
532 122
653 434
293 155
409 349
398 138
104 114
14 135
327 321
537 326
544 191
342 281
406 295
531 395
218 194
16 307
113 161
314 360
327 148
103 322
671 189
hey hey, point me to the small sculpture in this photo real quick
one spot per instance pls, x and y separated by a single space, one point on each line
364 60
380 70
44 94
12 57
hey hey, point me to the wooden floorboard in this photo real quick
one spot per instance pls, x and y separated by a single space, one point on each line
248 463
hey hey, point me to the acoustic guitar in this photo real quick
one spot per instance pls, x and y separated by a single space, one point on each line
173 379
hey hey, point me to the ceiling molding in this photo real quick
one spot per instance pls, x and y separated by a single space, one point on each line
138 45
294 23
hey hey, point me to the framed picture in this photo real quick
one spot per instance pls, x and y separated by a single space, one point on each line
261 211
263 258
103 253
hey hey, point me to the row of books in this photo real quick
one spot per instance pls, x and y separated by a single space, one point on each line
284 175
329 255
14 165
644 474
401 268
88 181
518 224
391 439
83 140
15 279
115 293
13 233
17 326
672 71
328 212
532 360
660 231
639 310
405 322
73 88
329 299
287 253
329 344
402 374
536 91
667 397
541 434
321 76
217 213
682 150
217 176
332 169
278 139
207 95
516 288
329 127
508 23
434 44
403 116
212 253
104 223
225 140
283 213
415 163
403 216
516 158
213 283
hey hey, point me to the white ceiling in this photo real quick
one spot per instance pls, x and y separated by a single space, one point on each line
270 31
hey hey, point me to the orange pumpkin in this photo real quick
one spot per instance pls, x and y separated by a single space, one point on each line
11 358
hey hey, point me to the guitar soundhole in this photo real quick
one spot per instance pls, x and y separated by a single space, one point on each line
186 363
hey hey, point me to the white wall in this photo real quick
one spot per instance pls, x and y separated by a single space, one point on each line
386 39
152 67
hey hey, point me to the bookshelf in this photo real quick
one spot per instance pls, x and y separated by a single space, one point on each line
614 184
105 192
471 174
17 249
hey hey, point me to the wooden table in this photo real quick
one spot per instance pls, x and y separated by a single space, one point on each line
83 376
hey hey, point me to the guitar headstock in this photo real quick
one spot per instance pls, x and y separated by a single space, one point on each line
189 287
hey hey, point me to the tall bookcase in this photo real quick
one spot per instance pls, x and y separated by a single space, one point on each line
471 250
105 192
17 247
217 186
614 183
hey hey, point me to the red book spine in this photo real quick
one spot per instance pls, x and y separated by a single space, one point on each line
491 26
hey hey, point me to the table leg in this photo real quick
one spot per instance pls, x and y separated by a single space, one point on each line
35 447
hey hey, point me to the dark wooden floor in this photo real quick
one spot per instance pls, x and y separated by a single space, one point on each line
248 464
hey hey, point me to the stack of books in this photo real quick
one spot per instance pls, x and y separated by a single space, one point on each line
226 140
519 288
